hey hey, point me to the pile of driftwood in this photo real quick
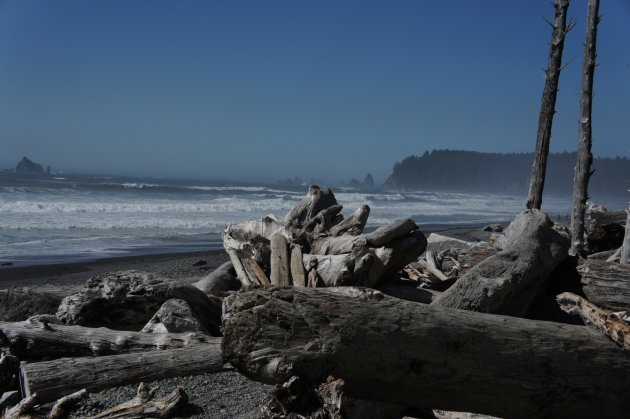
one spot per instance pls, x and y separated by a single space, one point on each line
348 323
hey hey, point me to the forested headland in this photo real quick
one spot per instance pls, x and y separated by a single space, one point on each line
471 171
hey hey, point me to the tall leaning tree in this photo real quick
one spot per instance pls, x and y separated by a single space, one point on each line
548 104
584 155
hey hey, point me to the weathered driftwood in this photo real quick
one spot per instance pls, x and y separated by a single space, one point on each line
603 228
507 282
548 104
175 316
606 284
611 324
33 340
625 248
297 398
421 355
297 267
145 405
52 379
582 172
432 266
24 409
219 281
127 301
280 269
8 399
331 250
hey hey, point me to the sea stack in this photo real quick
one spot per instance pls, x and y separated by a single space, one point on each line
28 166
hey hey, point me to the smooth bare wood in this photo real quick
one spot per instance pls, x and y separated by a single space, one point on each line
606 322
33 340
53 379
508 281
219 281
241 273
584 156
548 105
260 274
420 355
279 261
316 200
145 405
625 248
606 284
127 300
432 266
352 225
297 267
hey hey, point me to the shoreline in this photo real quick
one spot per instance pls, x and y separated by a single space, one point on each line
60 278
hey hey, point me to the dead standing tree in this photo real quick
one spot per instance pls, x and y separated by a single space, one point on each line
584 155
548 104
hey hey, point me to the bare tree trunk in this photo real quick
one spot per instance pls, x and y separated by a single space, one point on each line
548 105
625 249
584 156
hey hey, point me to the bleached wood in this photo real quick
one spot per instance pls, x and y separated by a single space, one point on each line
31 340
606 284
279 261
420 355
260 274
606 322
53 379
145 405
297 268
508 281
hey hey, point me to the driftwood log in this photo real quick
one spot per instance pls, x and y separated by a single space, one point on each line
128 300
507 282
425 356
219 281
145 405
33 340
315 246
611 324
606 284
53 379
625 248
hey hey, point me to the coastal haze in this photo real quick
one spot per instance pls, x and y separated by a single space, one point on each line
263 91
158 123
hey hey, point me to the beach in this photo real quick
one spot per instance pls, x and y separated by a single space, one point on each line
227 394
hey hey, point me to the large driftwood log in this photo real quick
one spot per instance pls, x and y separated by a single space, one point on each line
611 324
127 301
53 379
34 340
219 281
507 282
417 355
606 284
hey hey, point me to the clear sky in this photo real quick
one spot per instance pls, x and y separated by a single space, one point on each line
265 90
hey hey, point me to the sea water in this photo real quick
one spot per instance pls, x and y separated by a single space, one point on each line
65 218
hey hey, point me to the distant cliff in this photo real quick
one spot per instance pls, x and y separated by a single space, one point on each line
28 166
470 171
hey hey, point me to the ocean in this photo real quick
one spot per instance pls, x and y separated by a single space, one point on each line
67 218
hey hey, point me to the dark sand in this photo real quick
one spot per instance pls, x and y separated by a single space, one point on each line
224 395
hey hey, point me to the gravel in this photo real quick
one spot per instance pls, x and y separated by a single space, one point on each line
218 396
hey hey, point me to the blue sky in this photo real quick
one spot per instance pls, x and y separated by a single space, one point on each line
265 90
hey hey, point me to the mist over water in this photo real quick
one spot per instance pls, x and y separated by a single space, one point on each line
70 217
